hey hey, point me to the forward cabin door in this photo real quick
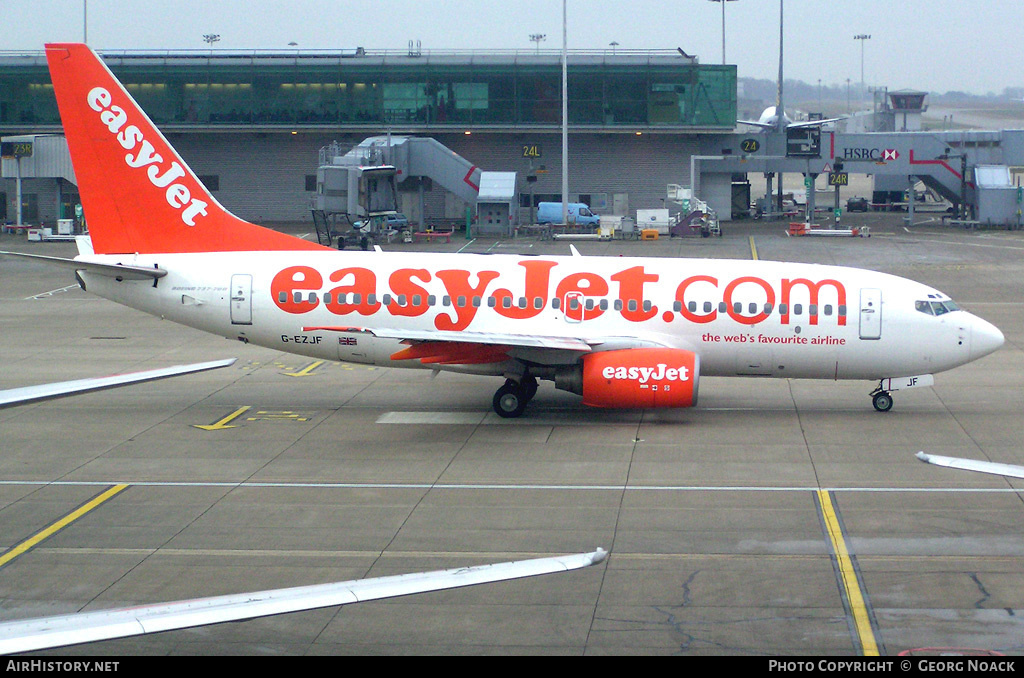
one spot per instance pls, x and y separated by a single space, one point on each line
241 299
870 314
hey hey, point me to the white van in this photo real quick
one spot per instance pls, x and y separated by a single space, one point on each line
579 213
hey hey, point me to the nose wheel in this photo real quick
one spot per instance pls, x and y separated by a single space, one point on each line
511 399
882 400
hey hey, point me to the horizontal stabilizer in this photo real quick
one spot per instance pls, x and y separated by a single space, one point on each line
117 271
28 394
38 634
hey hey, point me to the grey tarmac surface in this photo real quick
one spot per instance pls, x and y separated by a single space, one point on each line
715 517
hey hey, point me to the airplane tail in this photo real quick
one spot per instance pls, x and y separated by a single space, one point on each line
138 195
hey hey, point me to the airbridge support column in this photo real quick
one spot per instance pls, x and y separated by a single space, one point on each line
911 198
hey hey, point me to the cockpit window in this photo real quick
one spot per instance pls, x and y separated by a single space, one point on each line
936 307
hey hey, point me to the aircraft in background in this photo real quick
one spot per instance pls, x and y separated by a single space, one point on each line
85 627
770 120
621 332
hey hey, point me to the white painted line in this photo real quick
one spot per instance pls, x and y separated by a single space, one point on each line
511 486
51 292
492 419
467 418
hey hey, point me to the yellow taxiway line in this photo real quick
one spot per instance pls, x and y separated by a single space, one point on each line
35 539
858 608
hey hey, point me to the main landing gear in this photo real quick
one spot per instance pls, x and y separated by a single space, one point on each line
881 399
511 399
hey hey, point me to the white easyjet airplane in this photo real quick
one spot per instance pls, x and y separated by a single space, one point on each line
621 332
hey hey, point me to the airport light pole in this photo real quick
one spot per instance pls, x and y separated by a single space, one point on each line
565 117
723 26
863 37
536 38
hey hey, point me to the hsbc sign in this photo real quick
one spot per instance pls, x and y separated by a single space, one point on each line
871 154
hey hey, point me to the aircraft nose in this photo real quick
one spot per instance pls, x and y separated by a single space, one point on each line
985 338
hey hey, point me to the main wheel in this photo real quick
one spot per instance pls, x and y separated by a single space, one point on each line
510 400
530 386
882 401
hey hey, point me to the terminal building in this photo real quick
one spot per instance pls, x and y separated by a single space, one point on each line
252 125
256 128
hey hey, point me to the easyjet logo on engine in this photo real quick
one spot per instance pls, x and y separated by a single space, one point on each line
644 374
144 155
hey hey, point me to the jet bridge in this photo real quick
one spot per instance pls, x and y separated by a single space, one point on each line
944 161
417 162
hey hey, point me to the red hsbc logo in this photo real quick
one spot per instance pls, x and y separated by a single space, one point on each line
890 154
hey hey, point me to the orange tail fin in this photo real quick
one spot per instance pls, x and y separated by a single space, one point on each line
137 192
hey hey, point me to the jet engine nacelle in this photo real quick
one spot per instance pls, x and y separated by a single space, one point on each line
637 377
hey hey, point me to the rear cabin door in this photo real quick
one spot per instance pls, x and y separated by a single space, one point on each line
241 299
870 314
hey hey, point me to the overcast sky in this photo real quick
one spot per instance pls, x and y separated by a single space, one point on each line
933 45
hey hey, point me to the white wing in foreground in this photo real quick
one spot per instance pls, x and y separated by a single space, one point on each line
973 465
27 394
48 632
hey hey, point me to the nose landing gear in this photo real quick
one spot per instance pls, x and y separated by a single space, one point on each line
882 400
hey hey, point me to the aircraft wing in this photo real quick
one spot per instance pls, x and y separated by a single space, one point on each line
118 271
48 632
814 123
462 347
27 394
494 338
973 465
790 125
